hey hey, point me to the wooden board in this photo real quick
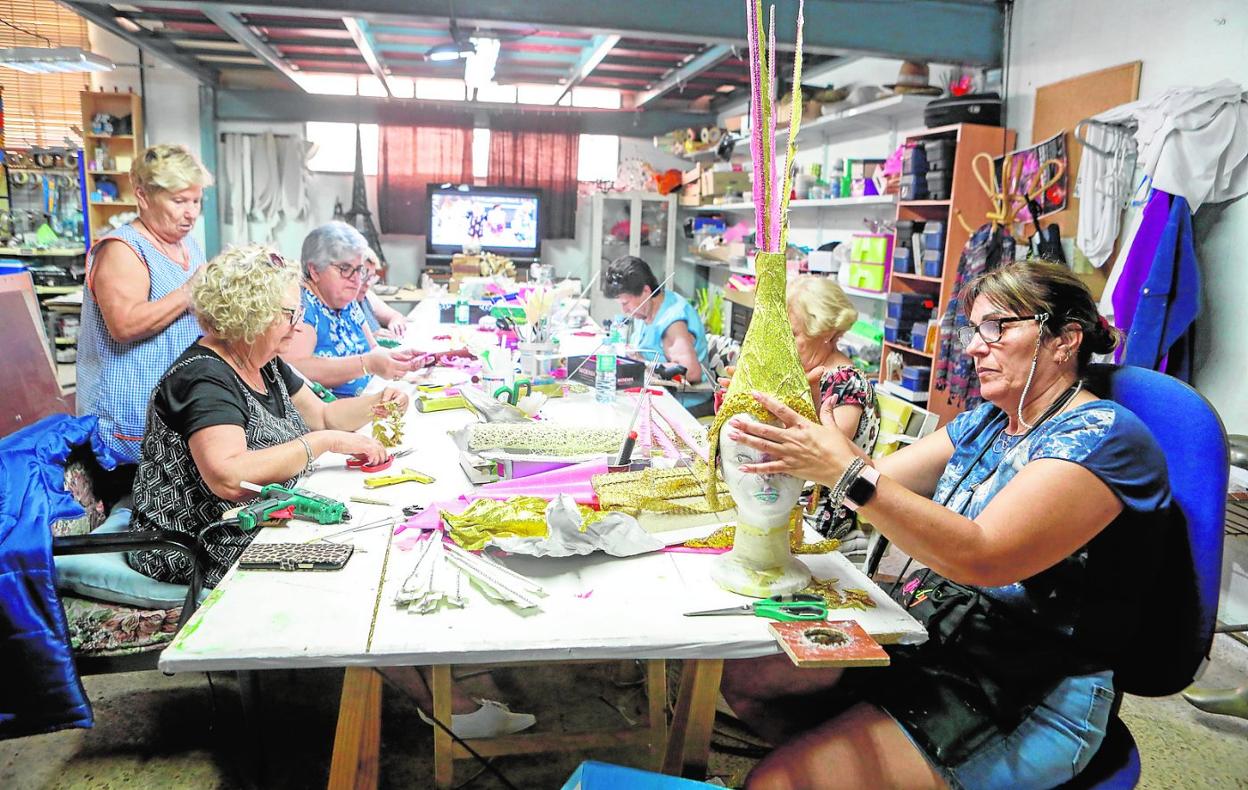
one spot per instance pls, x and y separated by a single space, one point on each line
30 391
1062 105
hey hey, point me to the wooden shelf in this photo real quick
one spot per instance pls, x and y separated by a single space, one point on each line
57 289
907 350
920 277
109 136
114 203
108 172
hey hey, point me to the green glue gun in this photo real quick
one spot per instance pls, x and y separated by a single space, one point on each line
278 502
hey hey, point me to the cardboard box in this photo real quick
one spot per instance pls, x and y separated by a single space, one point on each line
628 372
716 182
724 253
691 186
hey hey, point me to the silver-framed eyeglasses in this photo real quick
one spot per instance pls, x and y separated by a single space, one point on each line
990 329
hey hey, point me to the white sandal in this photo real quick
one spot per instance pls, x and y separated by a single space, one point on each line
488 721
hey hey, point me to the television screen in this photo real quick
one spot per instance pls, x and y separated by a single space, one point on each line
502 220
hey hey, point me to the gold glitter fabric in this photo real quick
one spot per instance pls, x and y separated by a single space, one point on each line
659 491
518 517
544 438
839 599
768 362
389 429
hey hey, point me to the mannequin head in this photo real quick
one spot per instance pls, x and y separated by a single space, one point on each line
762 500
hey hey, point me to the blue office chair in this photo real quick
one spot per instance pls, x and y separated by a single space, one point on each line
1194 442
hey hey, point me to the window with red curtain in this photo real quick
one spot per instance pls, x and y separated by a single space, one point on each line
540 159
413 157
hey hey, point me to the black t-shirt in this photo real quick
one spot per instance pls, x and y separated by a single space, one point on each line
209 392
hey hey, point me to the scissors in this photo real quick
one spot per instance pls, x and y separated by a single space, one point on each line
512 394
785 608
364 466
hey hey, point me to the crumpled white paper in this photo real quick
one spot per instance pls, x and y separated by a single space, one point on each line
618 534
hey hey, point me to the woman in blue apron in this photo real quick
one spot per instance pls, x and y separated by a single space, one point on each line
667 328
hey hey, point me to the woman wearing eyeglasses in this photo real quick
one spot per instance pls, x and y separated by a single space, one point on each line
136 315
1035 515
334 346
382 319
230 410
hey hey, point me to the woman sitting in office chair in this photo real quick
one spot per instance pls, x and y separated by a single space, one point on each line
1035 514
230 410
668 330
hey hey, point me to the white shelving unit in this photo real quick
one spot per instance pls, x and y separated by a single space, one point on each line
797 205
883 115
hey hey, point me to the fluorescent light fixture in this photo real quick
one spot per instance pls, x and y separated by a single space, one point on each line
479 64
451 50
52 60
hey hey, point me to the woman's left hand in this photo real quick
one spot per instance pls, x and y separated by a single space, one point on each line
390 395
803 449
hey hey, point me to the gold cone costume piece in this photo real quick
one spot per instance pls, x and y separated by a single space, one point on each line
768 361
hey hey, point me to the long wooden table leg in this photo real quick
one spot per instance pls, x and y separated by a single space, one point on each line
656 694
443 754
357 741
689 740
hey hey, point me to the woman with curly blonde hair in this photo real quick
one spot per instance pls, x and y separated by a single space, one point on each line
229 409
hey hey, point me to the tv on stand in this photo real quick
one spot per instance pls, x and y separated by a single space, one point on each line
502 220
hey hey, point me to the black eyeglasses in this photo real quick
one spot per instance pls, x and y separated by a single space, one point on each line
348 271
990 329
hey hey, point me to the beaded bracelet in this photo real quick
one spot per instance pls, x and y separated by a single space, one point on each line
842 486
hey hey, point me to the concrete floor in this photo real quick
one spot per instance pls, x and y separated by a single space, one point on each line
175 732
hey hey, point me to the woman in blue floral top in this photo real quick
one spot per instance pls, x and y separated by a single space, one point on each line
334 345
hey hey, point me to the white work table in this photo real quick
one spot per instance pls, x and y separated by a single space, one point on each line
597 607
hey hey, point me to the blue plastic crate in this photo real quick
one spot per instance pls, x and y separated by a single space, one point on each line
593 775
933 263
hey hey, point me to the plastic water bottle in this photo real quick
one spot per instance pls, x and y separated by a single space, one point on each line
604 373
462 311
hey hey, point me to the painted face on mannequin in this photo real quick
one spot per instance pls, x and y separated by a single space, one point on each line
762 500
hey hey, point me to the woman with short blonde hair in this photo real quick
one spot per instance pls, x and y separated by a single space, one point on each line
821 314
136 315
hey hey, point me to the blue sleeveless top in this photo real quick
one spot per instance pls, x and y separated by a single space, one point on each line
115 380
649 337
339 333
370 317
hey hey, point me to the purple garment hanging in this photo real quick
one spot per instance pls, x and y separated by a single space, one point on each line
1139 262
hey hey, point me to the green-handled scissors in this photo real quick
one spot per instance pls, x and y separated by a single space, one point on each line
785 608
513 394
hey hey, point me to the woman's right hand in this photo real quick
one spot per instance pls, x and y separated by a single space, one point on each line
392 365
354 444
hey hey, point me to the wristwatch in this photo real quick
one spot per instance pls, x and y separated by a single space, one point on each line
862 489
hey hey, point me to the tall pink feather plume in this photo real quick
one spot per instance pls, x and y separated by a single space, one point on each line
773 210
756 115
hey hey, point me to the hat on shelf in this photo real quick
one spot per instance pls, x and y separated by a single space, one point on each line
913 78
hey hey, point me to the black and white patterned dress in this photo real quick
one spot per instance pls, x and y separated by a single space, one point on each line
169 492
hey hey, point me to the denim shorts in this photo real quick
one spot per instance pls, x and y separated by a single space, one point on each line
1050 747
